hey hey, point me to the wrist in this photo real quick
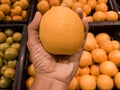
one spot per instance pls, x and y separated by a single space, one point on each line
47 83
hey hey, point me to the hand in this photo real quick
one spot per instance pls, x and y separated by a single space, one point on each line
51 72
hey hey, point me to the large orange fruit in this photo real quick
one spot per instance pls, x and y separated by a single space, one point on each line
61 31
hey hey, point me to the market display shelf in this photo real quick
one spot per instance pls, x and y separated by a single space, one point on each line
29 16
21 53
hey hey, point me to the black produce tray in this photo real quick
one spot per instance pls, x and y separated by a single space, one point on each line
22 51
30 13
111 6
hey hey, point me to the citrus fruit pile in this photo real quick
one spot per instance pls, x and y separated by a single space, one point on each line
99 64
13 9
94 10
9 51
98 67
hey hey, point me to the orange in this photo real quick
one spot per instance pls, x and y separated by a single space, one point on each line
98 16
99 55
92 3
90 44
54 3
101 37
87 82
8 18
89 18
114 56
105 82
116 44
29 82
111 16
84 70
94 70
86 9
61 31
5 8
43 6
101 7
31 70
109 68
77 5
6 2
105 1
90 35
73 84
17 17
68 3
117 80
83 1
106 45
86 59
2 16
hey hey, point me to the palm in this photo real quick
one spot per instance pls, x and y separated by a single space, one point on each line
57 67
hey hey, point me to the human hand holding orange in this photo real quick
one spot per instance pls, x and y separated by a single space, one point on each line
51 72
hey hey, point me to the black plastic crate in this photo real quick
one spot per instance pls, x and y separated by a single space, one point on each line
30 13
22 51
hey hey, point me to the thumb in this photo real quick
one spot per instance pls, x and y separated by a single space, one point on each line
33 32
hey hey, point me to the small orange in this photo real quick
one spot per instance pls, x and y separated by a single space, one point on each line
89 18
54 3
90 35
83 1
94 70
109 68
104 1
43 6
84 70
101 37
101 7
99 55
117 80
87 82
106 45
86 59
111 16
90 44
116 44
105 82
77 5
99 16
31 70
114 56
73 84
92 3
86 9
68 3
2 15
29 82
